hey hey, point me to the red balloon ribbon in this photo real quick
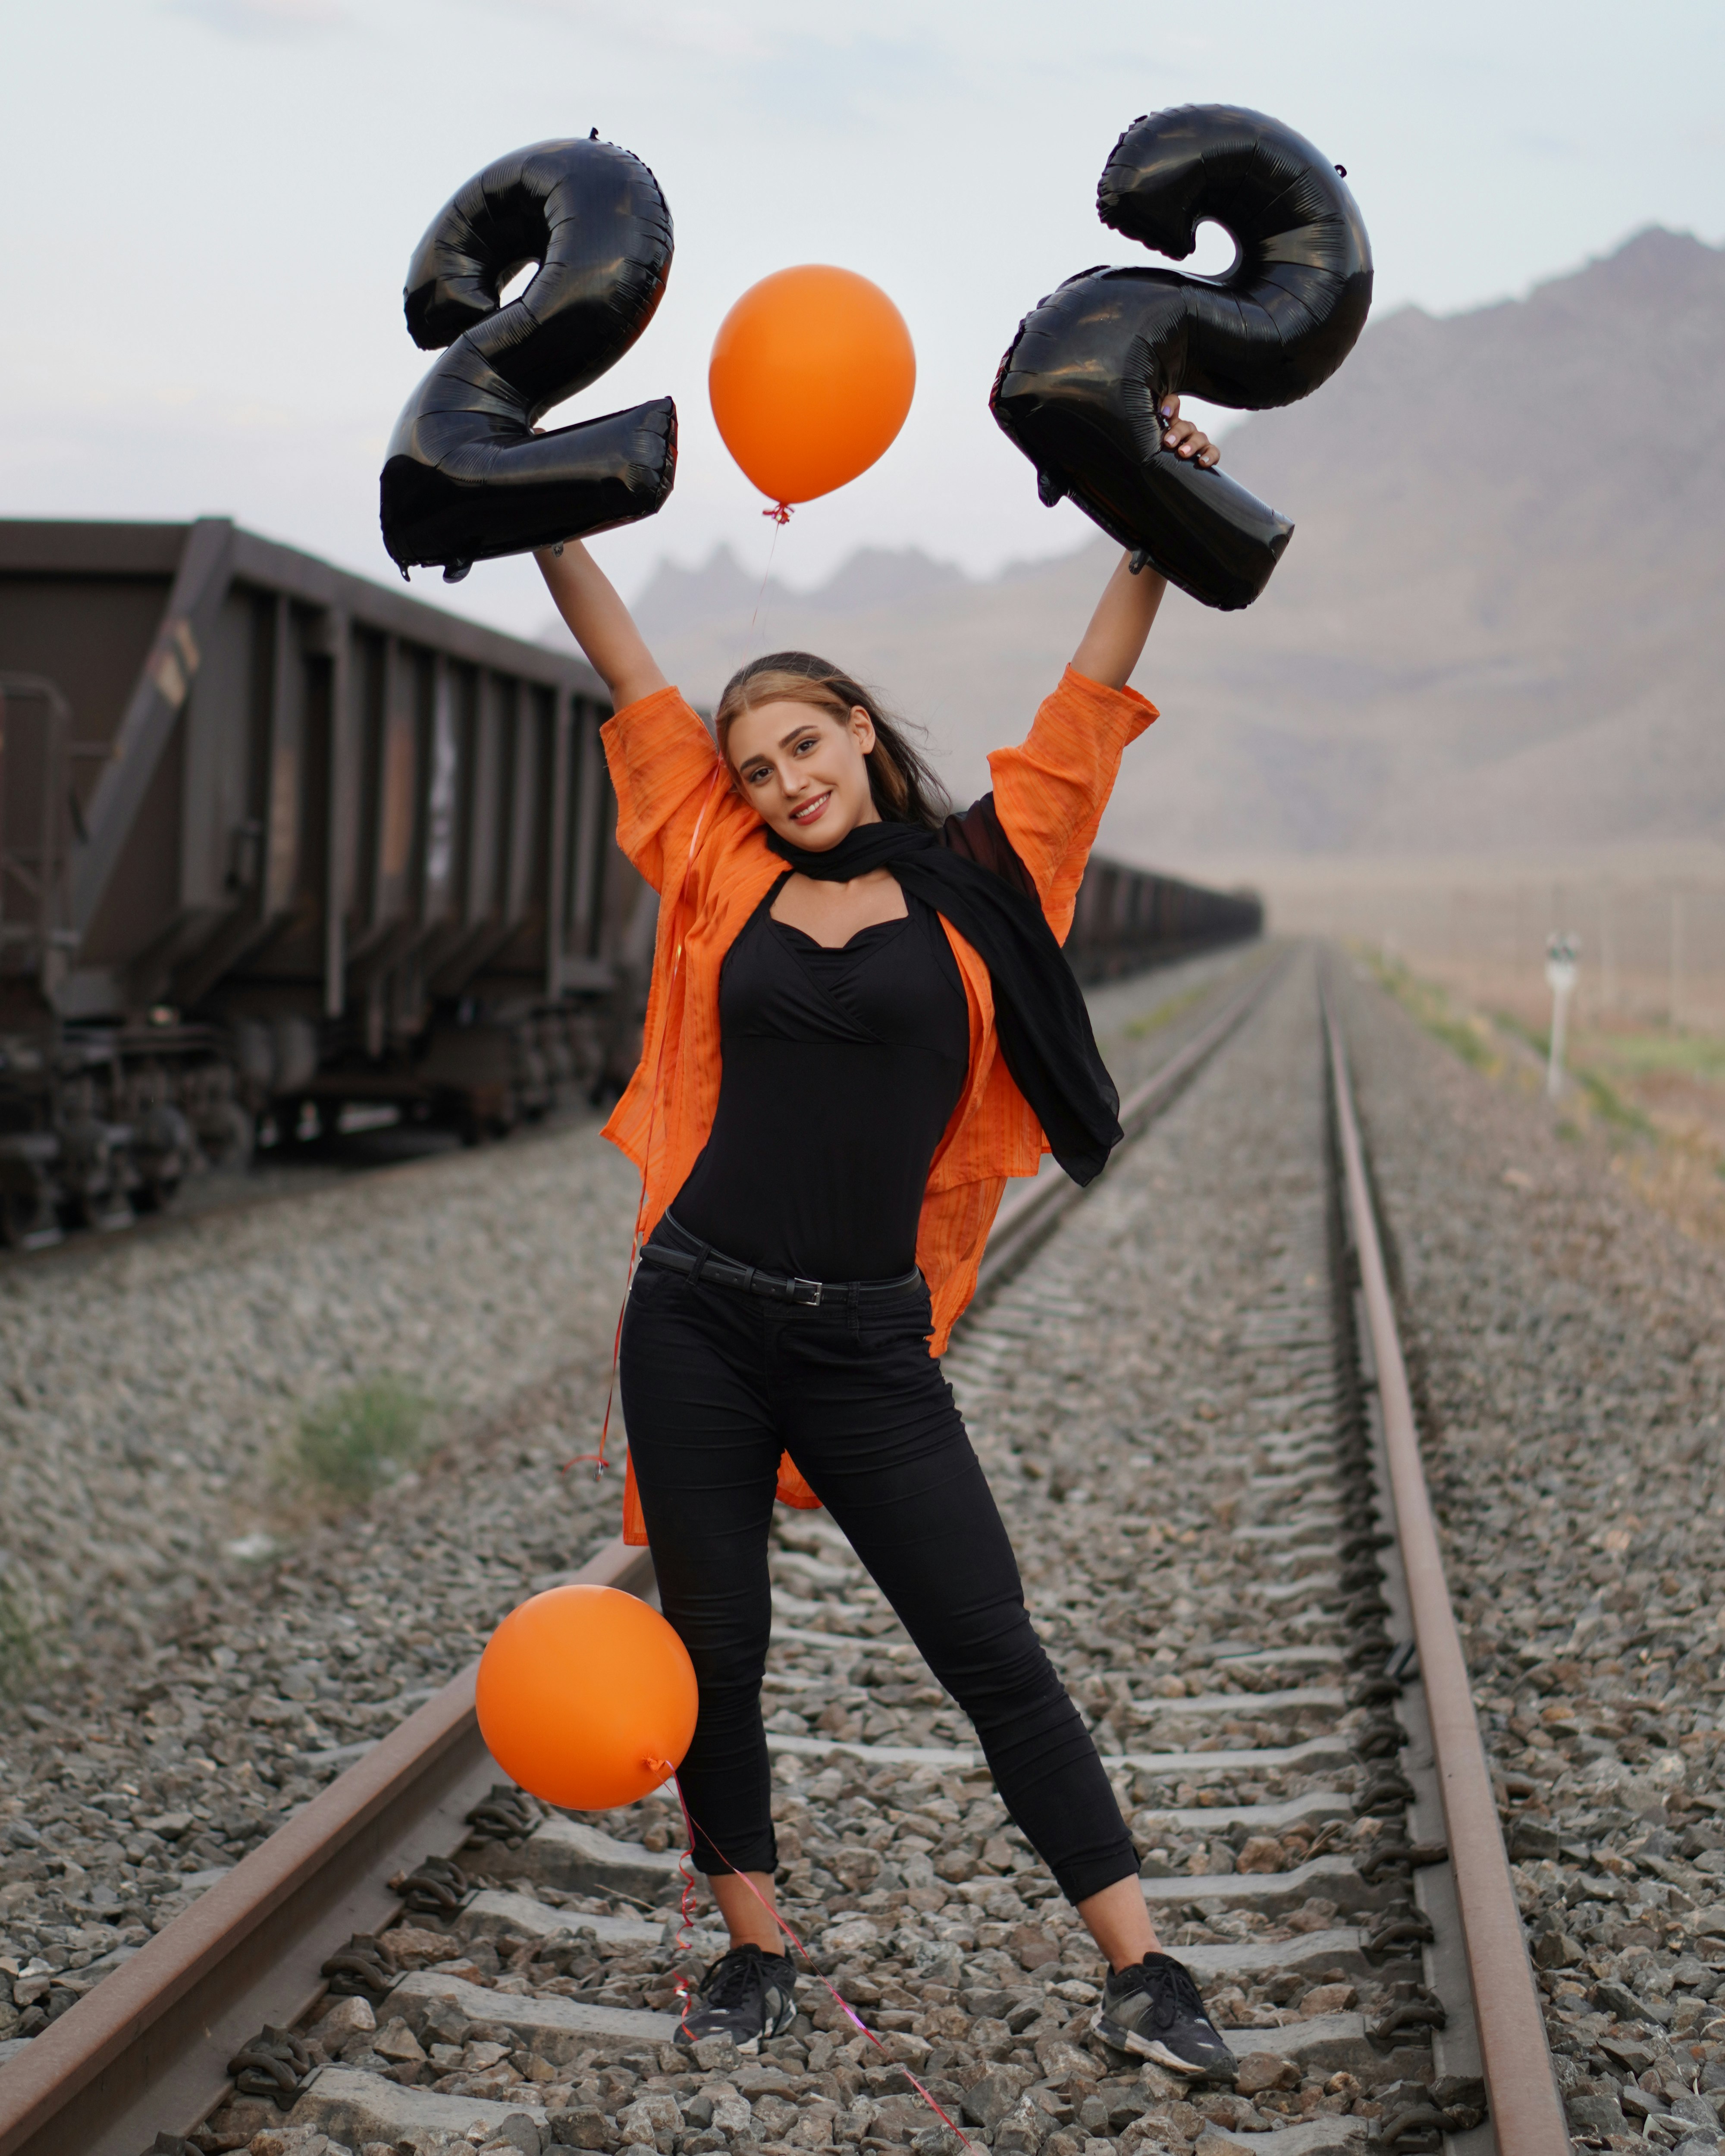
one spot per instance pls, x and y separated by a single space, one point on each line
780 512
842 2004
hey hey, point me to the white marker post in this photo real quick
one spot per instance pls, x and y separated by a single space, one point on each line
1561 954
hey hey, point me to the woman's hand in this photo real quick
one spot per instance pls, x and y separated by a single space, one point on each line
1114 642
1182 437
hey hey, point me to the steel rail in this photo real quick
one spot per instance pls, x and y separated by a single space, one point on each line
1029 1215
1525 2110
152 2041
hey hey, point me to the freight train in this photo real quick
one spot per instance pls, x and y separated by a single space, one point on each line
280 847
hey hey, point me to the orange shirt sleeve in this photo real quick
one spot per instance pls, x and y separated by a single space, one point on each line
1050 791
661 758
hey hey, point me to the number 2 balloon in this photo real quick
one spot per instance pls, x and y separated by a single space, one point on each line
466 478
1081 384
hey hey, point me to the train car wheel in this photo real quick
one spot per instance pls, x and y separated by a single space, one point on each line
155 1191
99 1210
228 1138
18 1211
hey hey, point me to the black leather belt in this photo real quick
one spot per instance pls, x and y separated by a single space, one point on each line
705 1264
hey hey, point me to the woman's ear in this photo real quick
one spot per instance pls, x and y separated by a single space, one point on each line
862 729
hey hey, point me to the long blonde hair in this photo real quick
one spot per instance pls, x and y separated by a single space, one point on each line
903 785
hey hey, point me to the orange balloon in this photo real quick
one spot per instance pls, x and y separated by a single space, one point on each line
811 377
586 1697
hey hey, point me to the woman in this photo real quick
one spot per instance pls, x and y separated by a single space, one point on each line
859 1025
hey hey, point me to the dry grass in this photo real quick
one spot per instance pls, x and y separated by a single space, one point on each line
350 1446
1651 1100
18 1645
1153 1021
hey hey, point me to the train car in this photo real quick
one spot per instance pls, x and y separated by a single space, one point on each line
1127 919
275 841
281 848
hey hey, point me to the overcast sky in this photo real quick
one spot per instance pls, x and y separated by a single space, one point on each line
212 203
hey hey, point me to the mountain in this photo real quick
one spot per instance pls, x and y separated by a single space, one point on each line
1497 629
722 596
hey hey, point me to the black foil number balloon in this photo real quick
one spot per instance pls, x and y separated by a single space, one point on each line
1080 387
466 478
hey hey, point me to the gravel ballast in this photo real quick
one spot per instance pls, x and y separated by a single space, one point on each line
196 1649
1569 1346
1169 1347
190 1696
1144 1398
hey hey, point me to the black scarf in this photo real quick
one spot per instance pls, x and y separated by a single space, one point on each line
1039 1010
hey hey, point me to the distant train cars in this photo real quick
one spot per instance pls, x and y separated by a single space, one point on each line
1130 918
278 844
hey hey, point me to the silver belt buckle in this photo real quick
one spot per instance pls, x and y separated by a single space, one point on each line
807 1292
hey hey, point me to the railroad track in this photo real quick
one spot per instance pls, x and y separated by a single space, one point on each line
421 1961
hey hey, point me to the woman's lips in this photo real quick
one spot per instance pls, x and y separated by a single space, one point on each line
811 810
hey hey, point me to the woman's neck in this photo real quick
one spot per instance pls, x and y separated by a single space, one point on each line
832 913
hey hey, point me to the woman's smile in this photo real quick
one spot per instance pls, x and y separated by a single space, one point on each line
811 809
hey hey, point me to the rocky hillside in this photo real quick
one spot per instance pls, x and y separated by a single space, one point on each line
1496 629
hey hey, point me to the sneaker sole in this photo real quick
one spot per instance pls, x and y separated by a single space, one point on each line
1149 2047
750 2048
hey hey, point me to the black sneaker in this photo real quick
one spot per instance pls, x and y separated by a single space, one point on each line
746 1995
1153 2011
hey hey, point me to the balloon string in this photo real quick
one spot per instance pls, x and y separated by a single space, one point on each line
685 1867
766 573
634 1241
780 512
842 2004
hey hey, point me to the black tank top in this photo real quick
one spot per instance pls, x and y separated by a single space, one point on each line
841 1069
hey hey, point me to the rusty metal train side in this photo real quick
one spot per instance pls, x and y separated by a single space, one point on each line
280 847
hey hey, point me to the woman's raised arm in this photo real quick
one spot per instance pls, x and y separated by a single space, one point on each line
600 622
1114 643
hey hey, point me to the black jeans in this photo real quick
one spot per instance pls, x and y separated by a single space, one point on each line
715 1383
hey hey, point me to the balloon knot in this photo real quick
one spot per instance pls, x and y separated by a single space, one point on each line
780 512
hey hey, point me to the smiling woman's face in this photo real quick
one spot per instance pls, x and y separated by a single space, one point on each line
805 769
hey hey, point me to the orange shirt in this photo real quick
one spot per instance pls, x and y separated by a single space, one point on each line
704 849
